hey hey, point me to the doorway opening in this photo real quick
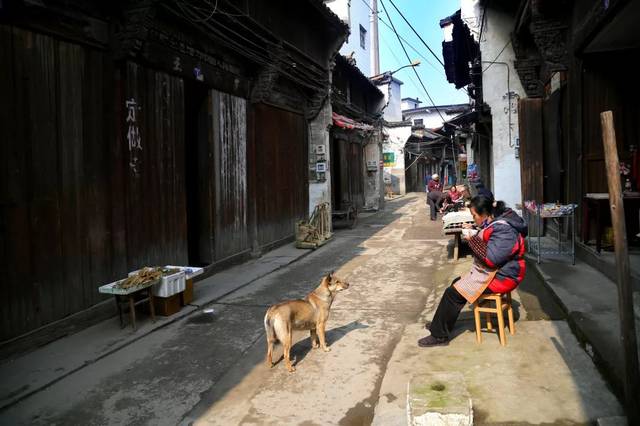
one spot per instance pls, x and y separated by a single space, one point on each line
195 124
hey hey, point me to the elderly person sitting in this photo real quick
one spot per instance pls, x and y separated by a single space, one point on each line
434 195
498 267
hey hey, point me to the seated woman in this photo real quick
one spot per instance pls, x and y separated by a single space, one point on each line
498 267
451 197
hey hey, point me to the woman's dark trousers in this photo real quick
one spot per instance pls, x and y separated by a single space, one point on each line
434 198
448 311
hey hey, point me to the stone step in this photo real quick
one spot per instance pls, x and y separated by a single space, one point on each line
439 399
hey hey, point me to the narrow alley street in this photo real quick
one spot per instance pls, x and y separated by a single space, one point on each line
209 368
171 170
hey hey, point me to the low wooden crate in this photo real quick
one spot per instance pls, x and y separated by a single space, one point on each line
186 296
167 306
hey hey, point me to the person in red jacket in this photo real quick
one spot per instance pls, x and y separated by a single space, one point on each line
434 195
498 250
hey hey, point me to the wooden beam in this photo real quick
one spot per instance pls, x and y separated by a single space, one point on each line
594 21
625 295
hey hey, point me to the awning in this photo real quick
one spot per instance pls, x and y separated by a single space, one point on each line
348 123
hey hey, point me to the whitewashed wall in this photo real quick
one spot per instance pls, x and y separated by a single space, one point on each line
431 119
320 192
397 137
495 36
355 13
373 179
393 100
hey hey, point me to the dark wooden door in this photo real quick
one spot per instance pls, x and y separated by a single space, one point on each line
531 153
281 189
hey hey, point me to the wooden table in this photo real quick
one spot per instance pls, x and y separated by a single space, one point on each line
127 296
457 235
452 225
598 204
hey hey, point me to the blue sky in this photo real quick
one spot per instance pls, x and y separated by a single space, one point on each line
425 16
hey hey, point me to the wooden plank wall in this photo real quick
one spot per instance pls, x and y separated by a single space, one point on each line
531 153
72 213
281 175
531 149
59 238
348 171
553 152
230 181
87 194
355 159
155 177
607 87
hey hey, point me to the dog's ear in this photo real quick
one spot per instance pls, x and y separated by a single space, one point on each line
330 276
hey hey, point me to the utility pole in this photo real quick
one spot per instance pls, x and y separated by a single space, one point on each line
375 47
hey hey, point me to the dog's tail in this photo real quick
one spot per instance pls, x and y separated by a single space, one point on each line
268 328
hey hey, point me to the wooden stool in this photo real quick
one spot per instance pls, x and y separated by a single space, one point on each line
502 302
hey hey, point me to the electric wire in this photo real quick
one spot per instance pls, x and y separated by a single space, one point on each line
416 32
405 40
409 60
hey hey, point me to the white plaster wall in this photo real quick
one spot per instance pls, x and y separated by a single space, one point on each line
340 8
471 158
397 137
409 105
431 119
355 13
373 191
495 35
393 99
320 192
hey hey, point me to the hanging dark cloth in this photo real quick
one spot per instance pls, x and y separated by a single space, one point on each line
459 53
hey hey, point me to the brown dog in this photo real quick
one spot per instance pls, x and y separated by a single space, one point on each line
311 314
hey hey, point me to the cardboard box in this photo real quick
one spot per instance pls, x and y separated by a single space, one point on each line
166 306
186 296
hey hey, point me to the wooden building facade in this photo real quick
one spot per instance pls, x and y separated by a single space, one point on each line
573 60
357 105
148 133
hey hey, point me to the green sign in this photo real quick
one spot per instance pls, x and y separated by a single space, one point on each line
389 159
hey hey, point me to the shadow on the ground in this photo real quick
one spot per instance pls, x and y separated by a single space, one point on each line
466 322
302 348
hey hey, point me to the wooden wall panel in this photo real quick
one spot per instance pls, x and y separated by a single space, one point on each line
281 175
156 202
531 149
230 152
65 192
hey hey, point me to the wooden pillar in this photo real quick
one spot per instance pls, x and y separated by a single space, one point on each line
625 295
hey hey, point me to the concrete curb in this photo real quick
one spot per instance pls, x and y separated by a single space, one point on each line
573 319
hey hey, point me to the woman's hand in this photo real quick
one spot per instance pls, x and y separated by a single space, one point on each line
467 226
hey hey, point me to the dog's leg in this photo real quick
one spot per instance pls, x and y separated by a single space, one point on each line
287 350
269 352
314 339
271 339
323 342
